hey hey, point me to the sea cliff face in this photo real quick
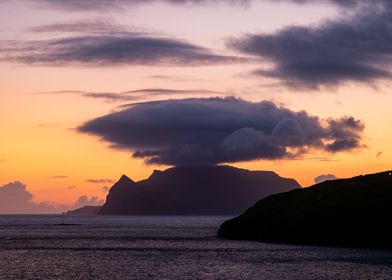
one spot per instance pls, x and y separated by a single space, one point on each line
208 190
353 212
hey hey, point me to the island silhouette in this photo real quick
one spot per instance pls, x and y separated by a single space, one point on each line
194 190
347 212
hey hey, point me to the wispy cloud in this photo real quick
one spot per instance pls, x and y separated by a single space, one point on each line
46 125
321 159
120 5
99 181
104 5
138 94
56 177
112 49
90 26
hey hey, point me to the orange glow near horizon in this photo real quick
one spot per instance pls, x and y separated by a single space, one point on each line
39 141
41 147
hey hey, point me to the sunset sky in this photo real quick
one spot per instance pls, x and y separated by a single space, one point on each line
301 88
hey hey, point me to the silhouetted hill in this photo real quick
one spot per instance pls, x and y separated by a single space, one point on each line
85 210
215 190
354 212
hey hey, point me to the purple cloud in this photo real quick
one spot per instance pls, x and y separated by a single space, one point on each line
215 130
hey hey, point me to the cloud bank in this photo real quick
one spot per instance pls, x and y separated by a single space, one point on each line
215 130
354 49
85 200
16 199
323 178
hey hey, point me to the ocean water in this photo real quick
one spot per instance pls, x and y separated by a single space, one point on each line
112 247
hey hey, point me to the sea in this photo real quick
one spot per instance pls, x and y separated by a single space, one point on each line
166 247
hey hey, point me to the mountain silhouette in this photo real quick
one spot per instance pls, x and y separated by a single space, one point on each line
353 212
207 190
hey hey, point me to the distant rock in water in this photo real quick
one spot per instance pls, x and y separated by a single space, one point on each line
85 210
210 190
347 212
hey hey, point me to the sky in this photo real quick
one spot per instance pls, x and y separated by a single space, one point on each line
91 90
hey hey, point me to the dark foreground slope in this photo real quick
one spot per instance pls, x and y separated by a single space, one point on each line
354 212
211 190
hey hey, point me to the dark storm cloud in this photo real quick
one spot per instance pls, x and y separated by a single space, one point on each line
215 130
338 51
109 50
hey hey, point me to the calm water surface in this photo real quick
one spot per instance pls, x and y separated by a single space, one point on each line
38 247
